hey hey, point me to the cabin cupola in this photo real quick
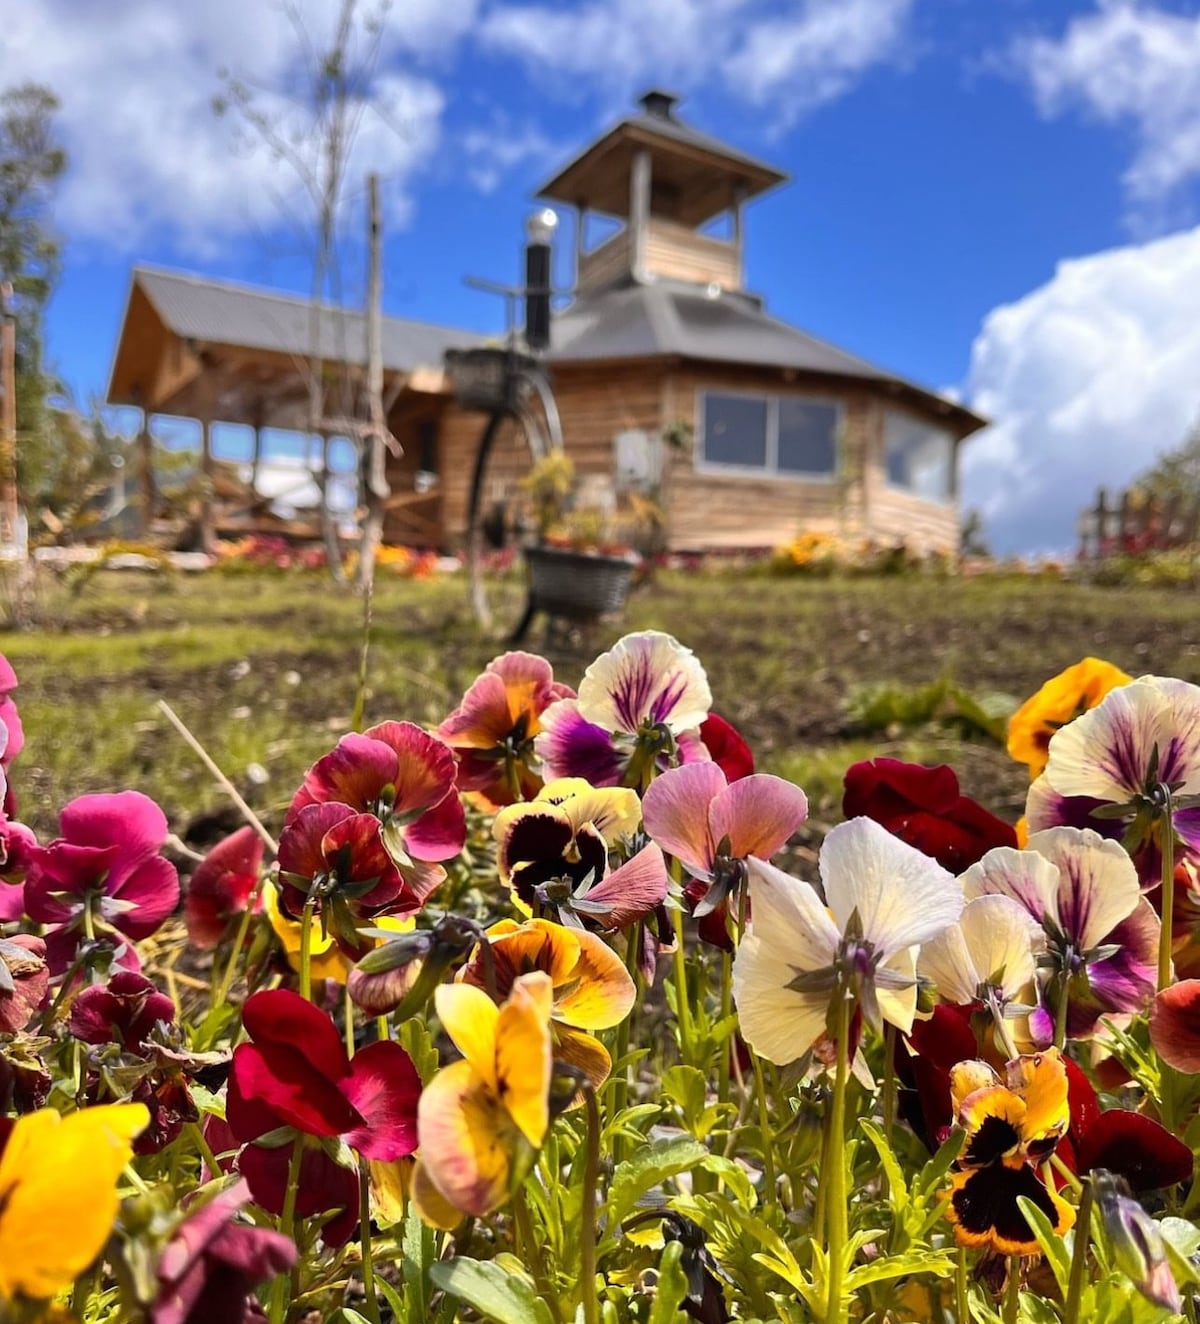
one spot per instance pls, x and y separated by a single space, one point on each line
665 182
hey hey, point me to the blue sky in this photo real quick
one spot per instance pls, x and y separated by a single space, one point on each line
998 199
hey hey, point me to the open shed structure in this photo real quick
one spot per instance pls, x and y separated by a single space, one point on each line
774 430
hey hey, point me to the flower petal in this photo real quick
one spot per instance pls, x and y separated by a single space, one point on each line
1107 752
424 765
647 677
902 897
524 1055
571 746
384 1088
280 1080
127 819
440 831
1137 1148
353 773
153 889
600 992
994 941
1025 876
1098 885
470 1018
675 811
632 891
467 1140
758 814
1175 1026
278 1016
728 749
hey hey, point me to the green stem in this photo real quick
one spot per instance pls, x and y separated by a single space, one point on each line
221 992
888 1100
683 1009
196 1135
286 1285
532 1255
306 950
961 1305
836 1213
726 1012
591 1180
1083 1228
764 1126
1168 897
1060 1012
383 1028
1012 1293
371 1304
348 1006
616 1094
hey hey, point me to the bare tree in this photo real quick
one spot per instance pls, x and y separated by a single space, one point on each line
336 79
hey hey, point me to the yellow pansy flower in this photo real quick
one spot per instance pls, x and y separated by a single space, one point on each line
58 1196
1060 700
482 1120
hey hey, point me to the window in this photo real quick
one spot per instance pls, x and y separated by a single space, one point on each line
778 434
920 457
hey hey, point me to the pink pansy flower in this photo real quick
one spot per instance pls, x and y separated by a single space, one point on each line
405 778
295 1073
220 888
639 709
712 826
14 735
1101 934
492 731
105 870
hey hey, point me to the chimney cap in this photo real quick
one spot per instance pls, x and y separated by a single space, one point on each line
658 104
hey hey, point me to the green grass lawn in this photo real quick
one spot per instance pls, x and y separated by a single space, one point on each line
263 668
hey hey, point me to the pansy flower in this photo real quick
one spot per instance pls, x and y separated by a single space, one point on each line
1144 735
884 900
492 731
988 958
639 710
1011 1127
58 1193
482 1120
1101 933
713 826
405 778
590 986
1175 1026
1060 700
553 854
220 888
295 1073
212 1264
924 807
104 874
727 747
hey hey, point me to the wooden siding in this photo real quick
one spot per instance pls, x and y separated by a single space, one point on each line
714 508
678 253
606 262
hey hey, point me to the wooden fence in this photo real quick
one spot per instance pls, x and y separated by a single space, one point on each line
1134 523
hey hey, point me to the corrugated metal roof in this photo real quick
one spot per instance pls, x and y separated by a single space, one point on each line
199 309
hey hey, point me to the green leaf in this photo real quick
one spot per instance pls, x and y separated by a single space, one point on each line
414 1037
487 1288
939 1262
648 1168
687 1088
897 1186
671 1290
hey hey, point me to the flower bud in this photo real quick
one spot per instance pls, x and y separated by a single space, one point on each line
1137 1243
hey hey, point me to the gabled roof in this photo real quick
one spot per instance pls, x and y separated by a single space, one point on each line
680 320
224 313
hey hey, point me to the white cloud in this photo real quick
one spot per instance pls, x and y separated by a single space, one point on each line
1135 64
137 77
790 57
1088 378
496 149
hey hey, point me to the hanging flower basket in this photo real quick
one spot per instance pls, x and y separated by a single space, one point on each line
577 585
487 378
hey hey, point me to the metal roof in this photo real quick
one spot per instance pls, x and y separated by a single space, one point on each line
677 319
218 312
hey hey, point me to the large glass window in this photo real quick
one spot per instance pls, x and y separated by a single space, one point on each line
920 456
774 433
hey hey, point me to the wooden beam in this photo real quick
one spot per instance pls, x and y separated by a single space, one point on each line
639 210
9 505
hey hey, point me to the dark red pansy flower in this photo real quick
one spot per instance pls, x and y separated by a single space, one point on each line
728 749
123 1011
220 888
923 1063
107 860
213 1263
924 807
296 1073
1175 1026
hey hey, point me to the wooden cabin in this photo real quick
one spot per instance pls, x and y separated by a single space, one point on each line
668 374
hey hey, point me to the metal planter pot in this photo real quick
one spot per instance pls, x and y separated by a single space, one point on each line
577 585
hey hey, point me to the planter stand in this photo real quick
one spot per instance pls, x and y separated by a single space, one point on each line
573 586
